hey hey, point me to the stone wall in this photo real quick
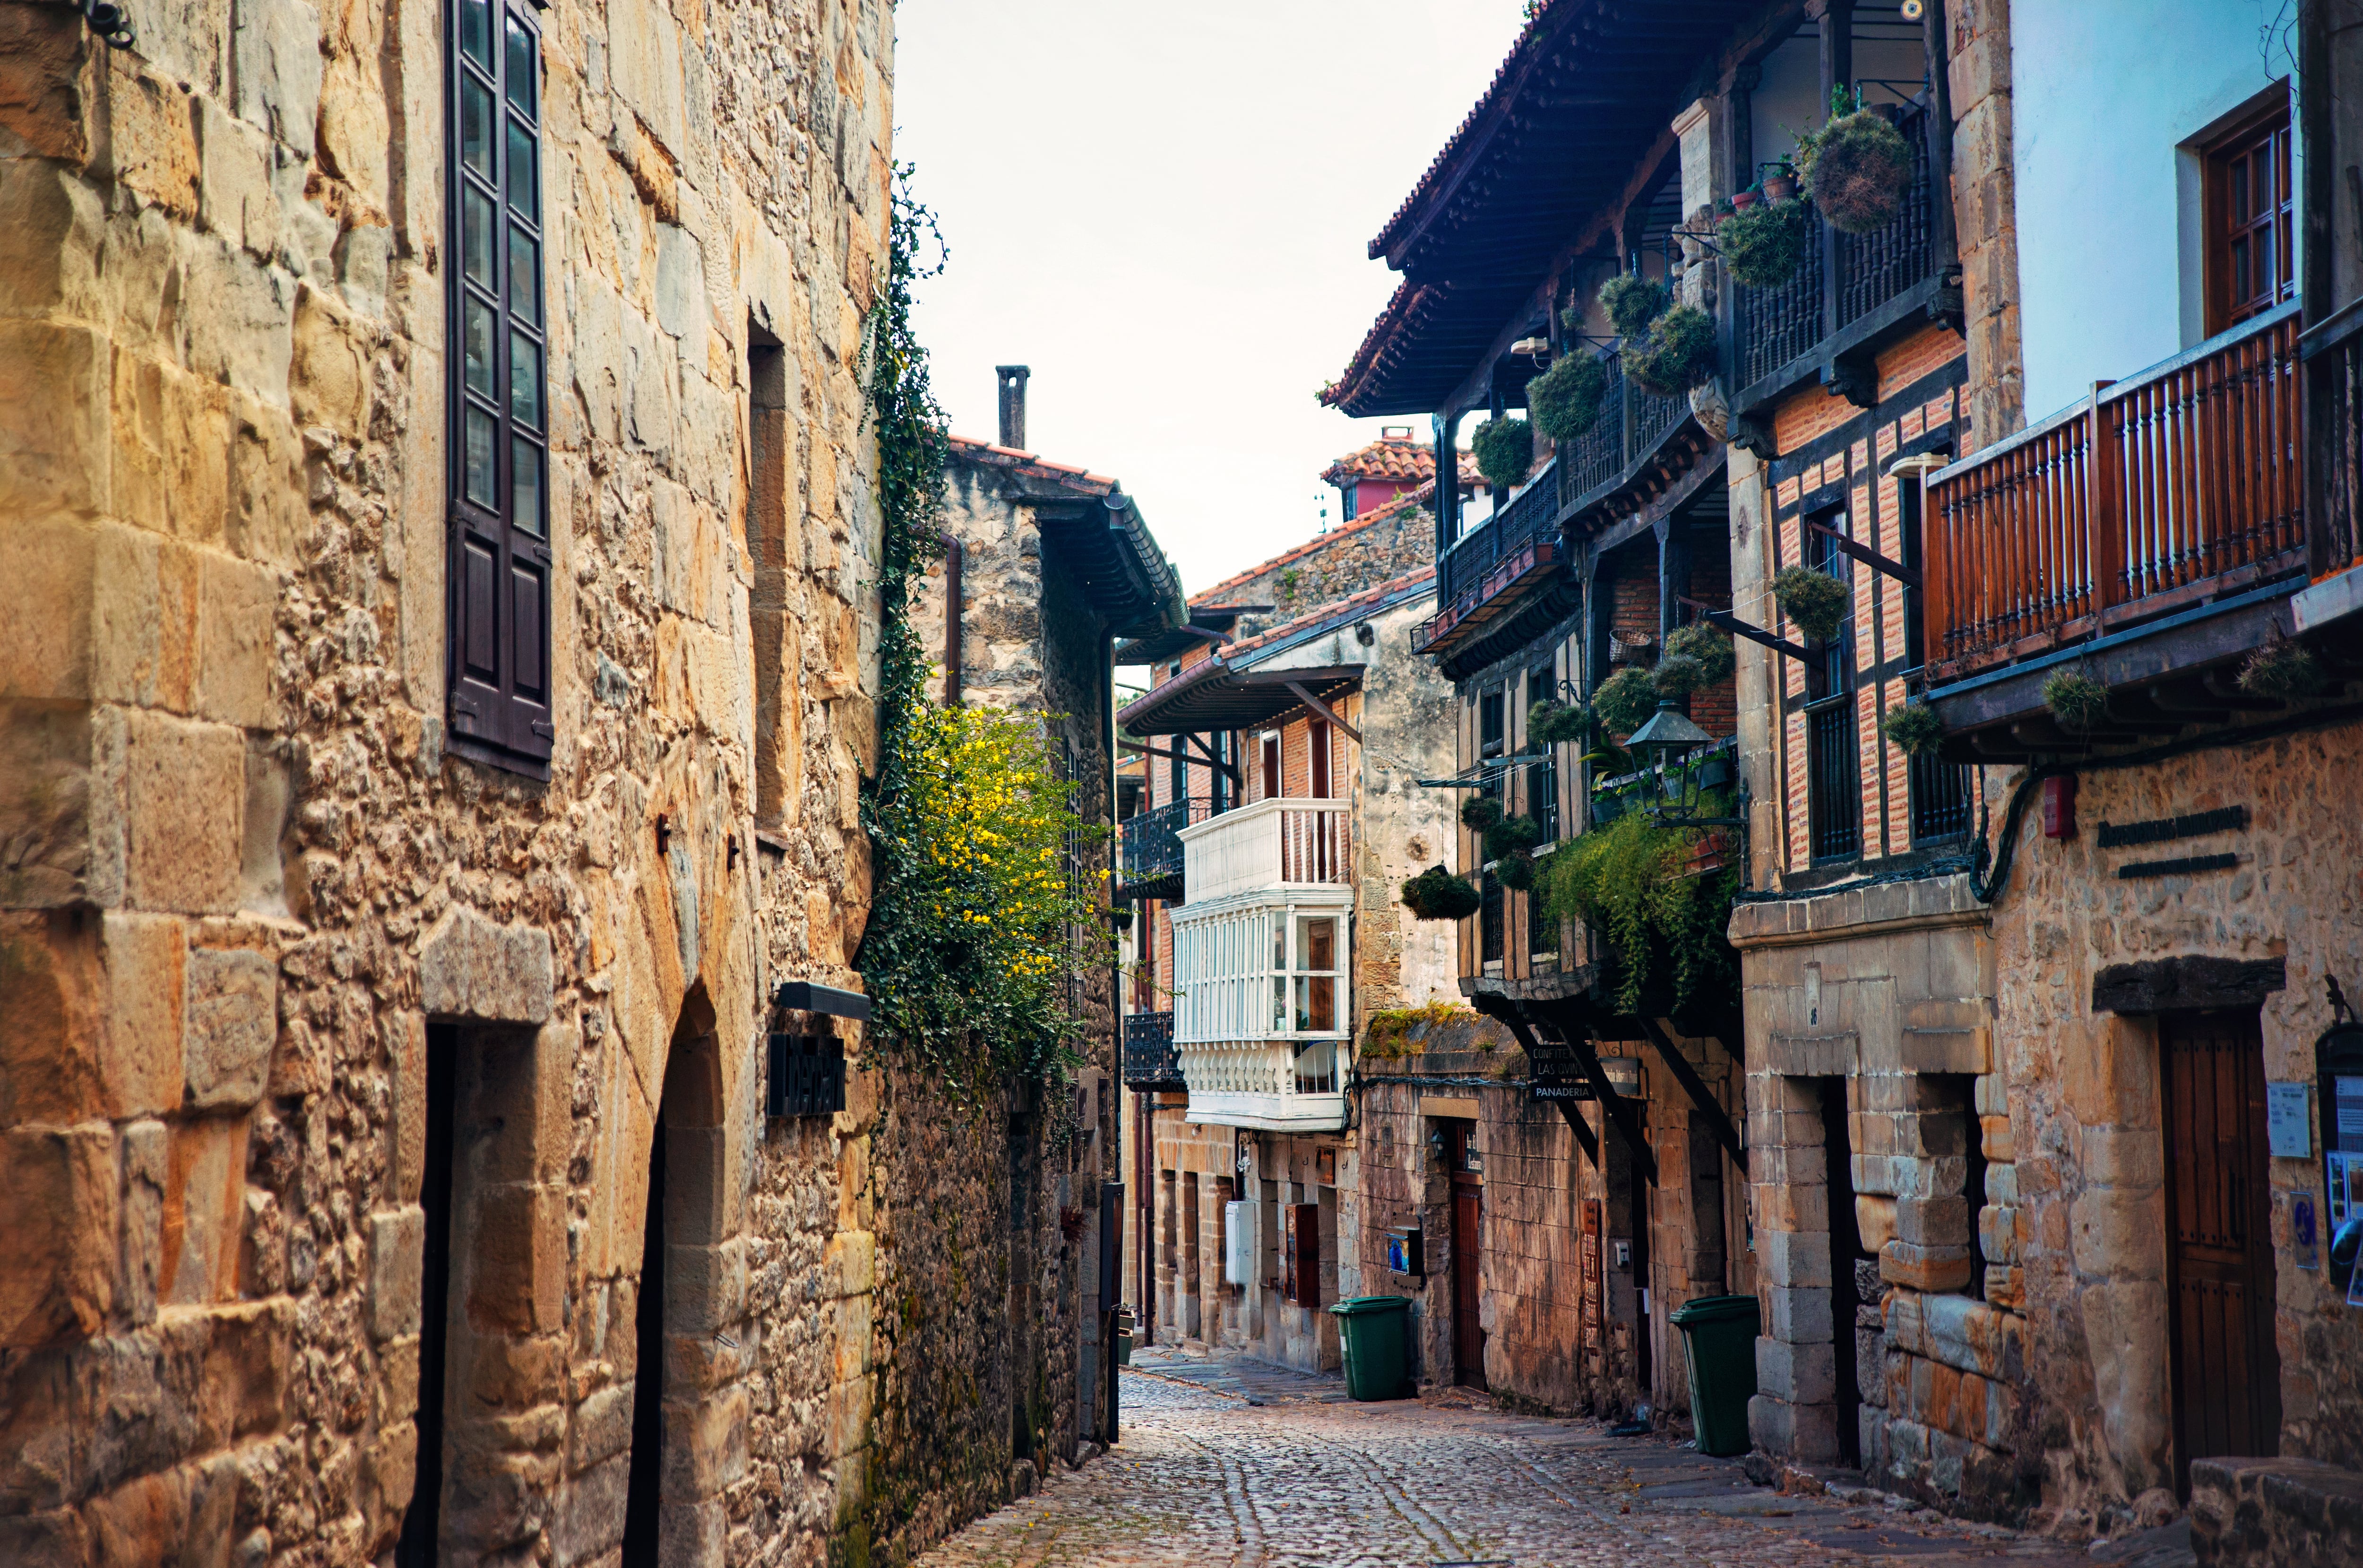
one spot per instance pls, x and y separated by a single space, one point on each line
1377 546
1985 221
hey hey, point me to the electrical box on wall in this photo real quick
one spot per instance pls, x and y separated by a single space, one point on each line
1238 1242
806 1076
1403 1252
2059 806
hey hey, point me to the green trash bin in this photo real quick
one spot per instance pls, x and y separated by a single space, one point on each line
1720 1333
1375 1333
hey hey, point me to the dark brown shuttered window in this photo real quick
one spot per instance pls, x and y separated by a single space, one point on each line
500 582
2251 221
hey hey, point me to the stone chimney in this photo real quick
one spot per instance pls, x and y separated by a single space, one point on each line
1013 404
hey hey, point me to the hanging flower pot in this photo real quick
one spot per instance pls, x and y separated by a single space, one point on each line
1626 700
1505 449
1516 872
1913 729
1861 167
1633 302
1763 245
1710 648
1480 813
1813 601
1677 354
1556 724
1512 836
2078 702
1566 399
1678 676
1780 185
1436 894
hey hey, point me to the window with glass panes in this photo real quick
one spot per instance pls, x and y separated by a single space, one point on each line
501 561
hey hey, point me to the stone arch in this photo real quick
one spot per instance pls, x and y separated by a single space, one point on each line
688 1421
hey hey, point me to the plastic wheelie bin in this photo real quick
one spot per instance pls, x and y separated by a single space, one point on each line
1374 1331
1721 1332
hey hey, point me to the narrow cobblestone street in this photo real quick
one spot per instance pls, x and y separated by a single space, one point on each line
1206 1476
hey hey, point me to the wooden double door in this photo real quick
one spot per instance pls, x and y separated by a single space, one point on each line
2227 1368
1467 1223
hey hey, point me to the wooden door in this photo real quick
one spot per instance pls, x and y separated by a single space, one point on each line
1468 1217
2226 1369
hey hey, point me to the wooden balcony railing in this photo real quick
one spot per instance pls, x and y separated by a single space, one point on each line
2183 483
1273 843
1513 547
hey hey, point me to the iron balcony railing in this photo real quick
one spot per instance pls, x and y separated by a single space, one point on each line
2183 484
1460 575
1780 325
1151 1064
2334 351
1147 848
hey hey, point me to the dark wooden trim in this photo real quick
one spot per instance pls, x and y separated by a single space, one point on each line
1718 1121
2187 984
1585 1138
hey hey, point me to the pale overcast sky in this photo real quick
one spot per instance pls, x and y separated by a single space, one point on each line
1165 211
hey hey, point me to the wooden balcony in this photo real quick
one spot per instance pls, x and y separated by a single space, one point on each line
1486 573
2147 538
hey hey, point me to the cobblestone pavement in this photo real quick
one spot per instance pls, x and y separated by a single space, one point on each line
1204 1477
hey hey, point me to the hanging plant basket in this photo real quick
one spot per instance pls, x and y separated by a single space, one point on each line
1710 647
1763 245
1479 812
1566 399
1678 676
1436 894
1815 602
1516 872
1505 449
1859 170
1512 836
2078 702
1677 354
1626 700
1632 302
1913 729
1557 724
2281 670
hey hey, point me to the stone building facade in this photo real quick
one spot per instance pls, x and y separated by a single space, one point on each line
412 814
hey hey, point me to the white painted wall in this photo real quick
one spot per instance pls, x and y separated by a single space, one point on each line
2106 95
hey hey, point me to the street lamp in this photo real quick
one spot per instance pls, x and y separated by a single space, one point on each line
1661 745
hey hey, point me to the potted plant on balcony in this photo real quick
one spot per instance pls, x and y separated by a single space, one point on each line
1813 601
1913 729
1633 302
1505 449
2281 670
1762 245
1566 399
1709 646
1856 167
1781 183
1677 354
1626 700
1479 812
1436 894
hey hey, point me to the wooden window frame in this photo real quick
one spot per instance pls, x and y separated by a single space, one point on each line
2266 127
502 569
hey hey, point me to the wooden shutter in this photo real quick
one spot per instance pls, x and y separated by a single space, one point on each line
1304 1250
499 611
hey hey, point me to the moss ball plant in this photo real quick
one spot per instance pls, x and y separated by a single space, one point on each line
1436 894
1479 813
1632 302
1677 354
1913 729
1813 601
1505 449
1763 246
1566 399
1861 167
1678 676
1557 724
1516 872
1710 647
1512 836
2078 702
1626 700
2282 671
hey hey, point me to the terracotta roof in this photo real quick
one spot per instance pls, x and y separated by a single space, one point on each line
1492 105
1031 465
1343 609
1399 461
1424 496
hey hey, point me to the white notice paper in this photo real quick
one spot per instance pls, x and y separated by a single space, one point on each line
2287 1126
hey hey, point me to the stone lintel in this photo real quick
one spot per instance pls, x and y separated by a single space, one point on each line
1931 904
2179 985
470 968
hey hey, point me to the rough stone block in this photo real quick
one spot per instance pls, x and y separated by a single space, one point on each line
603 1426
184 795
232 1013
145 1147
693 1535
275 58
1996 1141
2120 1234
204 1212
236 607
1925 1268
1801 1316
706 1288
397 1264
328 379
244 1380
47 562
1806 1432
1799 1375
59 1539
145 959
152 141
1874 1220
1932 1221
519 1275
590 1509
470 968
1794 1258
2275 1513
406 1045
57 1274
52 1038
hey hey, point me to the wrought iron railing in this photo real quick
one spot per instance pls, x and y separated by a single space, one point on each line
1147 850
2333 354
1940 798
1834 804
1779 325
1597 456
1653 416
2182 483
1461 574
1151 1060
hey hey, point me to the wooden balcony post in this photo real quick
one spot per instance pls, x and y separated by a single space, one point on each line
2105 511
1836 20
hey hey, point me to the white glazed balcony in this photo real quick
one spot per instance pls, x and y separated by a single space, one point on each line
1256 1084
1273 843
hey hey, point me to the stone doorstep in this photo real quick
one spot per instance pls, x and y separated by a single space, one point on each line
2299 1512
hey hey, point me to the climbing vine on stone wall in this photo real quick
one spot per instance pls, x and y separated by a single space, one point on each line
979 901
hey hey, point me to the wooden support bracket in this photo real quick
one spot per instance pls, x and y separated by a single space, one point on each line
1717 1120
